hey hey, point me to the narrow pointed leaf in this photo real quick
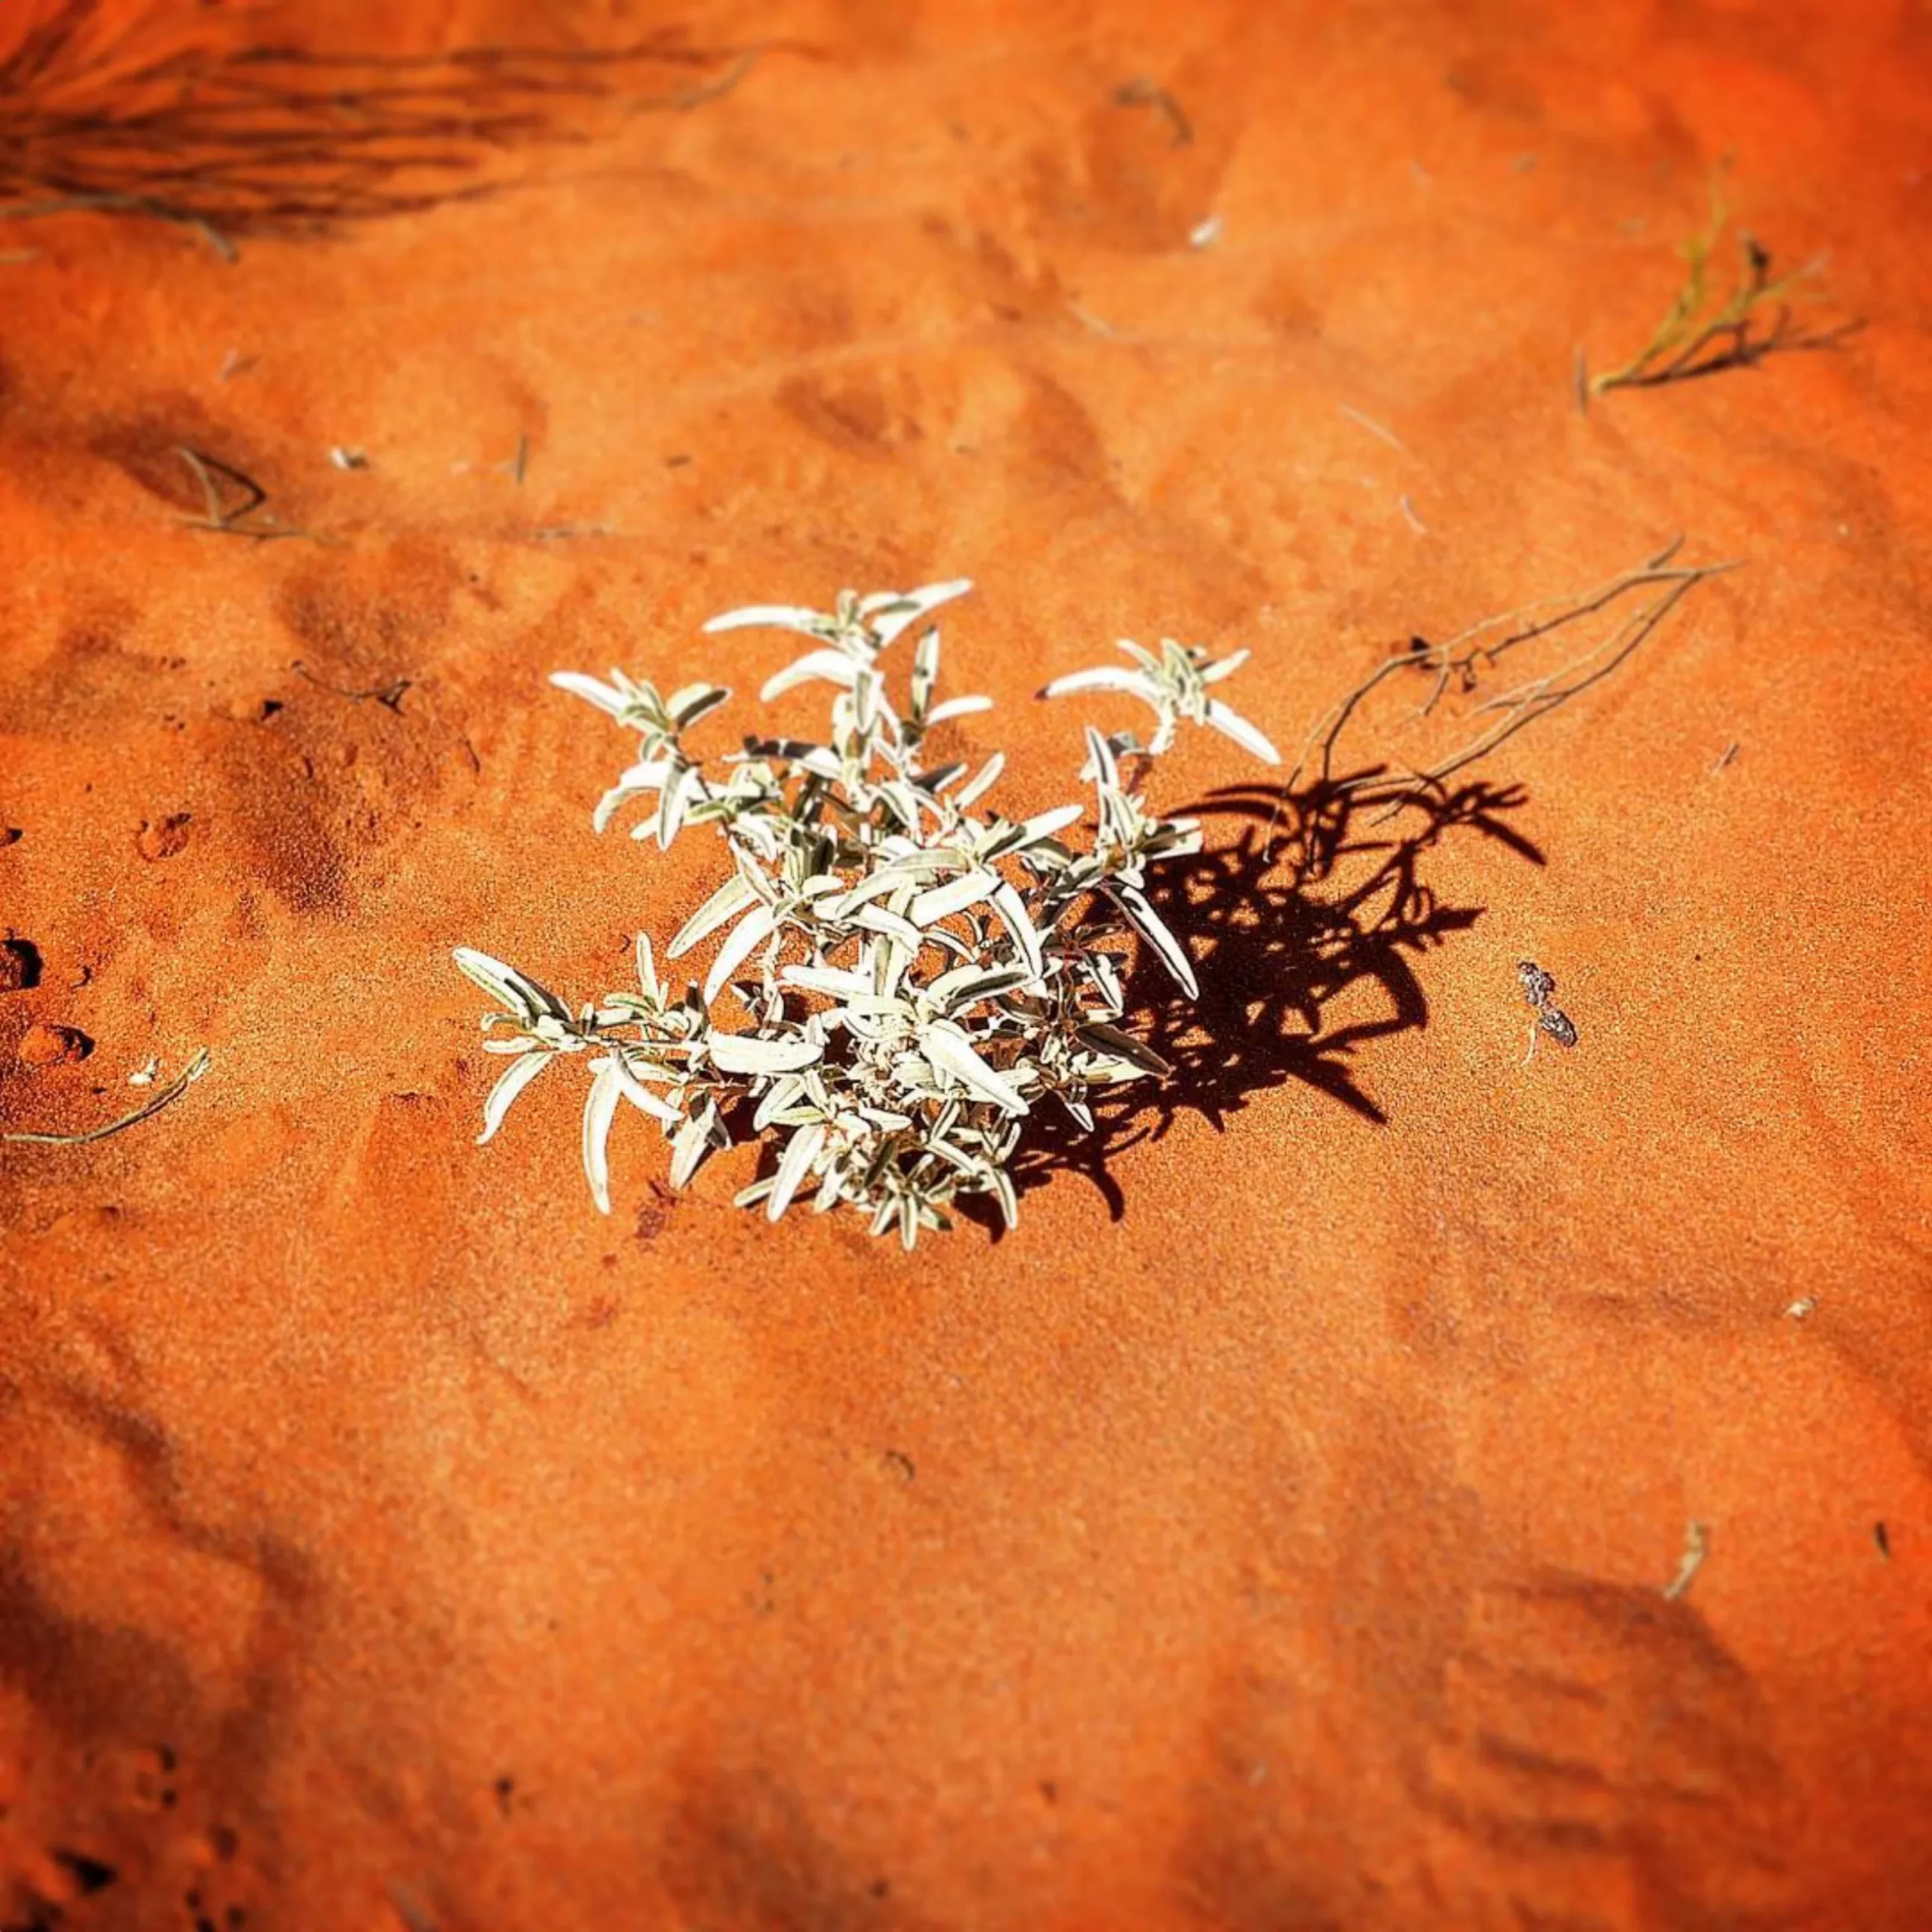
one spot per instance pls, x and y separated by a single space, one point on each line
731 898
877 919
889 613
889 967
680 789
1133 903
606 697
761 887
779 1096
1050 825
638 779
833 667
695 701
755 926
693 1141
866 688
939 901
492 975
948 1049
793 1166
1033 831
925 671
1231 724
1105 678
965 984
1025 936
1124 1046
835 982
782 617
958 707
515 990
1100 756
977 787
905 800
612 802
746 1053
876 885
599 1110
640 1097
510 1083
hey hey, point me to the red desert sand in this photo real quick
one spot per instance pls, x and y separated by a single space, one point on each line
1415 1483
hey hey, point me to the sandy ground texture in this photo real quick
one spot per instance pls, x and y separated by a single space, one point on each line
1280 1528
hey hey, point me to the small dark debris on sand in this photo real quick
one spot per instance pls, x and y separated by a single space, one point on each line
44 1045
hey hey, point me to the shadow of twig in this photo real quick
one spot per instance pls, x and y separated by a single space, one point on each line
1319 900
1741 349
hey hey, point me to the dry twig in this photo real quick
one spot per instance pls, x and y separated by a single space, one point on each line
1142 92
389 695
1456 667
1696 1547
166 1096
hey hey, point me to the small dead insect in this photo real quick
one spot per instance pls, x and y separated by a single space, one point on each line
1539 991
1557 1025
1537 985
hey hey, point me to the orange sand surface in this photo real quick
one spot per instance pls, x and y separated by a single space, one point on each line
1274 1533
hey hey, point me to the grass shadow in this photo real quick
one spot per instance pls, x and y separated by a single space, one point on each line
205 130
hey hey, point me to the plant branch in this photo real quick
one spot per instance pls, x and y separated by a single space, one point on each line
1458 666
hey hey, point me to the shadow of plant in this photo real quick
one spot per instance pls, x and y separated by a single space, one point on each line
1320 894
101 111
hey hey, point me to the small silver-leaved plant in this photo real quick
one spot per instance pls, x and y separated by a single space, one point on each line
908 973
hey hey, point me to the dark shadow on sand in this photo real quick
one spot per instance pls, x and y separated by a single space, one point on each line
1318 895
